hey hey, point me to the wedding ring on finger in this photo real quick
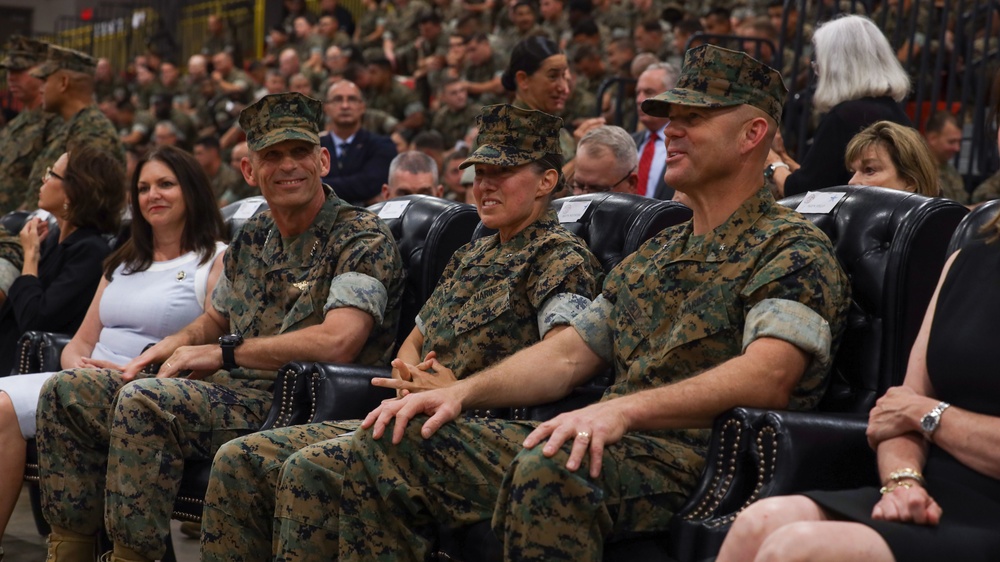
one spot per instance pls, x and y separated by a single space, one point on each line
167 365
583 435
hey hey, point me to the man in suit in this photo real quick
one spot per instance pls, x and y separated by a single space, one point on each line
657 78
359 159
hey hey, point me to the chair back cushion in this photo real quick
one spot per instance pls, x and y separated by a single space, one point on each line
970 230
892 246
614 225
427 232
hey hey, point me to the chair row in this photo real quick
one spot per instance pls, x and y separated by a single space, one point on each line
891 244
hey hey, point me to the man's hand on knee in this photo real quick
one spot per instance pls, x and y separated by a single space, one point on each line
590 429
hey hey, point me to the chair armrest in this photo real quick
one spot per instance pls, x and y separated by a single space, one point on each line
292 404
345 392
39 352
802 451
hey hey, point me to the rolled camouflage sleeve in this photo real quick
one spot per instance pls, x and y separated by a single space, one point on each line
594 326
795 323
559 310
8 273
360 291
220 296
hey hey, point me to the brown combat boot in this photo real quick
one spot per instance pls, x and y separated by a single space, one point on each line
67 546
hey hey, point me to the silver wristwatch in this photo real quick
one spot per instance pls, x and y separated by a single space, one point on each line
931 420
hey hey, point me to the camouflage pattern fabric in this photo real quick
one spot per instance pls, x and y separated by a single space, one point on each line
511 136
952 184
229 186
717 77
402 22
88 127
453 125
21 142
273 286
988 190
479 313
678 306
23 53
141 435
280 117
399 101
60 58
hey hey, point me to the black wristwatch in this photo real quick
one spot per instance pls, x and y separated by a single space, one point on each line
229 343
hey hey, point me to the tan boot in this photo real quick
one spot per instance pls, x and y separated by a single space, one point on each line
122 554
67 546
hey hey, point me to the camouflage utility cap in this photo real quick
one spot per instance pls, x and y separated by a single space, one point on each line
281 117
510 136
717 77
23 53
60 58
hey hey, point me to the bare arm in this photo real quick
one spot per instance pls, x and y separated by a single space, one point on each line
85 339
763 377
567 360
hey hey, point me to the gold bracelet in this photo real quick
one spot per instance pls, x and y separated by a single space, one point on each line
893 485
906 474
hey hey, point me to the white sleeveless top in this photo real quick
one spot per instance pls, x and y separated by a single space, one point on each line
145 307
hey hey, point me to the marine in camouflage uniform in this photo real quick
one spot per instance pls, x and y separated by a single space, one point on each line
88 126
952 184
494 298
453 125
675 310
398 101
141 433
25 136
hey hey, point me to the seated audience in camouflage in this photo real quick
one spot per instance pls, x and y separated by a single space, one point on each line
140 298
68 91
886 154
456 113
24 138
944 137
313 278
227 183
741 306
498 294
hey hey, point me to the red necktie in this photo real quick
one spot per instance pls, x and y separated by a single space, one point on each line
646 161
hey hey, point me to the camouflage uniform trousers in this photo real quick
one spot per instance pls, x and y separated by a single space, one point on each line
108 447
395 497
240 501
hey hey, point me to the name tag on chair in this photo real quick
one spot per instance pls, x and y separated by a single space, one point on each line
572 211
819 203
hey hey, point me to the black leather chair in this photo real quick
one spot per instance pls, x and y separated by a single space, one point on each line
893 246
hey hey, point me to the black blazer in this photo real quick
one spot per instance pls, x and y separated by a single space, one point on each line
359 176
663 191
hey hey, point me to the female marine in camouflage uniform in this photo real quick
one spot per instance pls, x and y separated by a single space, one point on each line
498 294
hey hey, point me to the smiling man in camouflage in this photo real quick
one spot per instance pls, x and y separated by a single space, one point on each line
741 306
312 279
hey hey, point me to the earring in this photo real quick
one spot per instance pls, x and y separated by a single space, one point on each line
65 205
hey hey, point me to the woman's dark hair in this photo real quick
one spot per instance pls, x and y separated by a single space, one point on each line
203 225
93 183
528 56
551 162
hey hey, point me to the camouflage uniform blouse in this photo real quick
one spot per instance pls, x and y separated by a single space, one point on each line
683 303
89 126
21 141
273 285
495 298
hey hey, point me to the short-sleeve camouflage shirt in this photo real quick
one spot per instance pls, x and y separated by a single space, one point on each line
486 305
680 304
278 285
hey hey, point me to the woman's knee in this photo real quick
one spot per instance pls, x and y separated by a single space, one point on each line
802 541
